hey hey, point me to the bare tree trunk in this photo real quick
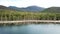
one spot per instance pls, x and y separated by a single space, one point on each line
1 18
5 17
9 16
55 17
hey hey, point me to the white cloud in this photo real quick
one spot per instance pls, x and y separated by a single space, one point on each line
25 3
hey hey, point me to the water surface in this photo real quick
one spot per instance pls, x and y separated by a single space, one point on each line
31 29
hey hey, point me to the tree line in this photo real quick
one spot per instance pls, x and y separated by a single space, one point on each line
15 15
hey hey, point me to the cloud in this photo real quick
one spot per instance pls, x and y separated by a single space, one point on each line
25 3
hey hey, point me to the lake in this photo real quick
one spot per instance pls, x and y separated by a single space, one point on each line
31 29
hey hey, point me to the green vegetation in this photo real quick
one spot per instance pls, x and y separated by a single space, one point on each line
52 10
19 15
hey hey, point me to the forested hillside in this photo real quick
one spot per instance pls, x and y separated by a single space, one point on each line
48 14
52 10
15 15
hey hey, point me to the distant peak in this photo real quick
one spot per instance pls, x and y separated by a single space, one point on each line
12 6
2 6
33 6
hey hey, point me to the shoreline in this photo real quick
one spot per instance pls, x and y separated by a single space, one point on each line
29 21
19 22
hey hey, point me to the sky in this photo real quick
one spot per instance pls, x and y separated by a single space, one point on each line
26 3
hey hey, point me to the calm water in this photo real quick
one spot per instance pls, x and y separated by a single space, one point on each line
31 29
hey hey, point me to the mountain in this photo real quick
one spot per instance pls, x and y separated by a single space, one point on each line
3 7
14 8
30 8
52 9
33 8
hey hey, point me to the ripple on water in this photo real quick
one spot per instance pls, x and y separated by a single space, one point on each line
31 29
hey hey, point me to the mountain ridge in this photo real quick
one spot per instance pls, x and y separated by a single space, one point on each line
29 8
52 9
32 9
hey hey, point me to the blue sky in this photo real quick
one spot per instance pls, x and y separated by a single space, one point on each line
25 3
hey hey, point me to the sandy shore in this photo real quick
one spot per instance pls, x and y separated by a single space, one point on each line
30 21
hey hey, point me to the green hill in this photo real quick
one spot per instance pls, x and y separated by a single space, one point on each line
52 10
